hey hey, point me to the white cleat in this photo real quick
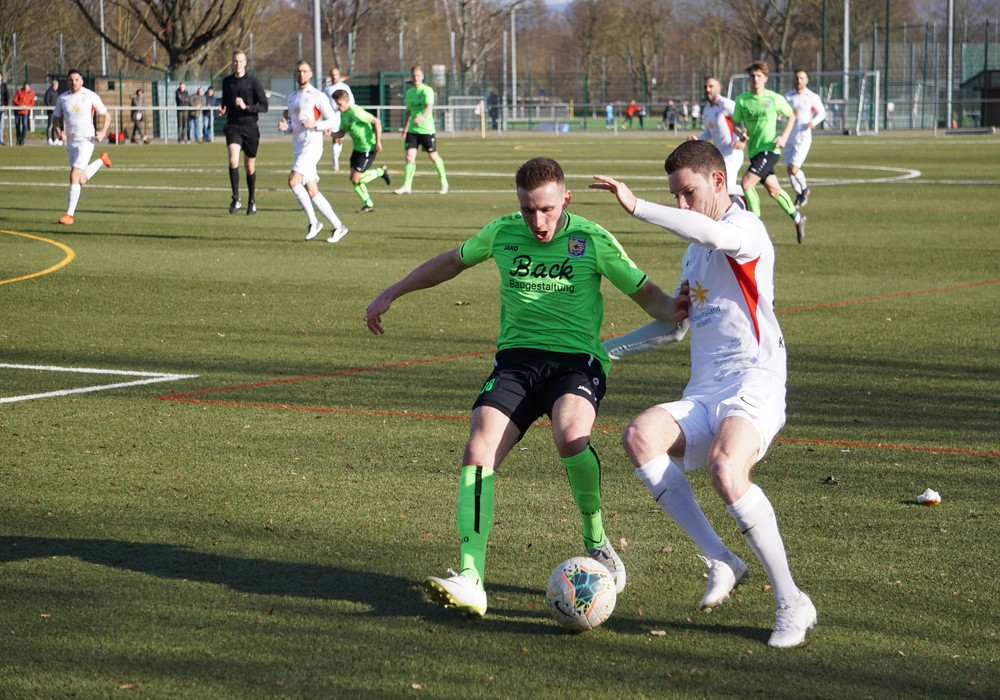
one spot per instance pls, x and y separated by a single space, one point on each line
403 190
444 189
792 622
606 554
723 577
314 230
457 592
338 233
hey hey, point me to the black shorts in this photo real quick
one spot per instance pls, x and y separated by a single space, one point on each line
428 142
246 136
763 164
525 384
361 160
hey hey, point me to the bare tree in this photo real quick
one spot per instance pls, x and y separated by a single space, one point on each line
187 30
17 17
478 27
769 27
342 19
591 33
645 22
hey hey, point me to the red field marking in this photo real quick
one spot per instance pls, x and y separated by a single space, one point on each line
185 397
831 304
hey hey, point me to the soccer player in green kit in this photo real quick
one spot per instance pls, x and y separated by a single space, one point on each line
549 359
758 109
365 130
419 131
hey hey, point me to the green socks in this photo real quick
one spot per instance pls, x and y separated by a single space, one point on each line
361 189
753 200
439 166
408 170
784 201
475 518
584 472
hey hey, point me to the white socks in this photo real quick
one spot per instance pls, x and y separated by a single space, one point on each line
667 484
74 198
798 182
94 167
755 517
302 195
326 210
337 148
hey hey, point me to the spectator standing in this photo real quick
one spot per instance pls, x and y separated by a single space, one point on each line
609 116
211 102
182 99
50 98
138 101
670 116
685 113
695 115
4 101
194 116
25 98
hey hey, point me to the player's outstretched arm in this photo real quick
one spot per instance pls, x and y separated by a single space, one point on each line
619 189
428 274
656 333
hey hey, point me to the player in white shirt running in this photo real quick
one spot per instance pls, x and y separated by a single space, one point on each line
734 404
719 130
809 113
336 82
309 114
73 119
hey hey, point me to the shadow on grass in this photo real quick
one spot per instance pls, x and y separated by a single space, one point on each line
383 594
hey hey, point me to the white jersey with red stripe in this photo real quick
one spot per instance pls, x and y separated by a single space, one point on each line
309 103
733 326
719 130
77 110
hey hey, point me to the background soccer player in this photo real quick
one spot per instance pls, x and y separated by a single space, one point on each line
334 83
734 403
419 131
549 359
758 109
809 113
243 98
719 130
365 130
309 114
74 124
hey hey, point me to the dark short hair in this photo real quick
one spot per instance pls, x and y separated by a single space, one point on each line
71 71
303 63
757 65
701 157
538 172
337 94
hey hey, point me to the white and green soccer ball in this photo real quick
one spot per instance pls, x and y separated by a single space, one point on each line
581 594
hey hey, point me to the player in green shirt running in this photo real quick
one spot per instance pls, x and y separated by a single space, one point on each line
758 109
549 359
419 131
365 130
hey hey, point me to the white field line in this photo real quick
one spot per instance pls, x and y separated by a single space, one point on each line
149 378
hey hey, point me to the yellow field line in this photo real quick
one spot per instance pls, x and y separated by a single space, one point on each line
62 263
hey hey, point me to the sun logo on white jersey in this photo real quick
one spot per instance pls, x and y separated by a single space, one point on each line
699 295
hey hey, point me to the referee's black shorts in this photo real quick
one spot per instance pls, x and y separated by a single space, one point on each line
246 136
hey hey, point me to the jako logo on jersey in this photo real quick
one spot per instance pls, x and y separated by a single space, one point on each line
510 246
584 387
577 246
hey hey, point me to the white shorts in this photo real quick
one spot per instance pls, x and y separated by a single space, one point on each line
80 153
796 150
305 163
760 400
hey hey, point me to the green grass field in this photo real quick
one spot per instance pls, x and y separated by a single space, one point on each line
260 529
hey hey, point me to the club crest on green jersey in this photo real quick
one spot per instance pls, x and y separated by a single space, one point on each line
577 246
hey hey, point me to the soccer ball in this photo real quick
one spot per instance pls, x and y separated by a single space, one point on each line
581 594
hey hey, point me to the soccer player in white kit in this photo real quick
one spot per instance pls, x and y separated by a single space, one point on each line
335 83
734 404
309 114
73 119
719 130
809 113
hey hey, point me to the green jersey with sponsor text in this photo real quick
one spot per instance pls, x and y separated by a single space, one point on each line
760 114
550 293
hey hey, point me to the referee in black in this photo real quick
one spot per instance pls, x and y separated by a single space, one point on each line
243 98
